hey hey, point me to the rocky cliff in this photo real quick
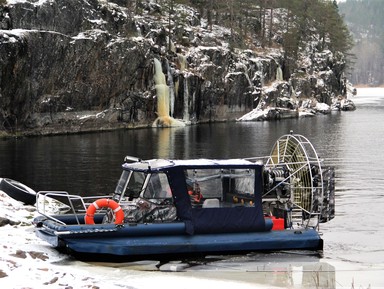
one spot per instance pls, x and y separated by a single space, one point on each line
82 65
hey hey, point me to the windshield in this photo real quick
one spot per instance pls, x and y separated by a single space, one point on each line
129 185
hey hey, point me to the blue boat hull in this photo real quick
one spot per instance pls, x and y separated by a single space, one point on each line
145 245
168 239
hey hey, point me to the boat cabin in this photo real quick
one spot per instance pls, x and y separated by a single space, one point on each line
209 196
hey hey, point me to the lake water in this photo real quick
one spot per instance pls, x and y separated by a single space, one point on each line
352 142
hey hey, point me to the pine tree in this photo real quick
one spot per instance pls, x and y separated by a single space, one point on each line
333 31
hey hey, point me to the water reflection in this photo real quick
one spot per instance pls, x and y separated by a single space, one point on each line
283 270
276 269
91 163
169 141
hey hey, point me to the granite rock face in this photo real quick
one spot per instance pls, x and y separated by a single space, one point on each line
72 66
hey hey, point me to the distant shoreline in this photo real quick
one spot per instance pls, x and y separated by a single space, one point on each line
367 86
370 91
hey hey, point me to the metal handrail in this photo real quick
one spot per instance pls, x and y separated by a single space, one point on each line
41 201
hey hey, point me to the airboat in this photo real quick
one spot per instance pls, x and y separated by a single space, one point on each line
199 206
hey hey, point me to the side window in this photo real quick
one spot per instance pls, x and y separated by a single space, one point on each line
241 184
158 187
204 187
210 188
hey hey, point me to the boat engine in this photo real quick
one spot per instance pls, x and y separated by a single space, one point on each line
297 187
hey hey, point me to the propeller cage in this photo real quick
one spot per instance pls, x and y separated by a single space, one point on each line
296 185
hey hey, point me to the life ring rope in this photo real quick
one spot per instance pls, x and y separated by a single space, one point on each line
103 203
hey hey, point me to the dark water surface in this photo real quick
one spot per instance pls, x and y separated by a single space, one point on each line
90 163
352 142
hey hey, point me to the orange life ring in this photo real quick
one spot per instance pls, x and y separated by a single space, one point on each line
101 203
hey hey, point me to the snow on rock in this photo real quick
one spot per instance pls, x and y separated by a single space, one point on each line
269 113
323 107
37 3
256 114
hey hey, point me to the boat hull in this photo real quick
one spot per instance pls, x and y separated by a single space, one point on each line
169 239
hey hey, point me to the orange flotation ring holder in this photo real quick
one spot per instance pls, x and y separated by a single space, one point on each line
102 203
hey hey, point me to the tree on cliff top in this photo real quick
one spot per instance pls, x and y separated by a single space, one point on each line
315 25
310 19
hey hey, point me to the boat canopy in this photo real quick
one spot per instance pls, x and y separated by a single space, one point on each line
210 196
154 165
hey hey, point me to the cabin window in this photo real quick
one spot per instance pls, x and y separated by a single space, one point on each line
122 184
129 186
158 187
220 187
241 187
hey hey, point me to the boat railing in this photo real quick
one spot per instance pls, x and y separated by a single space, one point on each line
51 203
